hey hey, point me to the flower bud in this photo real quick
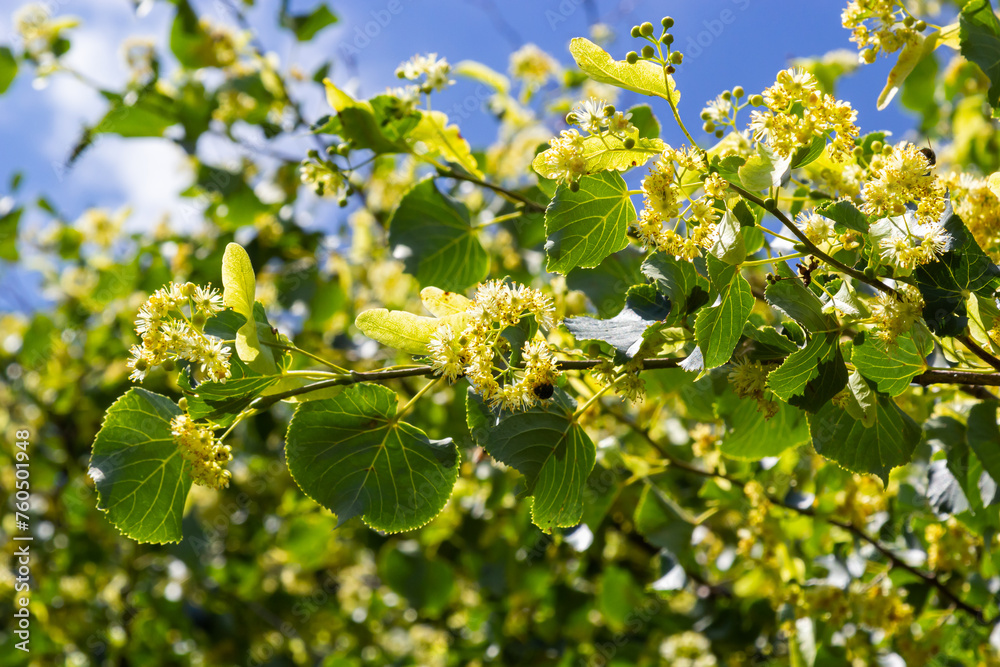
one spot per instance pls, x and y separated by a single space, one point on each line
920 26
635 31
646 29
169 365
632 57
676 57
770 204
667 39
719 134
629 142
709 126
574 186
667 22
757 100
738 92
648 51
609 110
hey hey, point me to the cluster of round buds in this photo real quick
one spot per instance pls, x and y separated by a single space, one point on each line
722 111
476 350
797 111
597 117
879 25
171 325
434 71
200 448
657 45
324 178
749 380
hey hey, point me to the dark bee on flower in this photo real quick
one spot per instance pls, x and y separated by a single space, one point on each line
543 391
930 155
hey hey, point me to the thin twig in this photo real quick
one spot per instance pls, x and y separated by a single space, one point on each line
813 250
894 560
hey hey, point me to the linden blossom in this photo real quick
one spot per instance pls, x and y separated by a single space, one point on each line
471 351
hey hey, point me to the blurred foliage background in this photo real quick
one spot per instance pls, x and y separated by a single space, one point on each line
263 578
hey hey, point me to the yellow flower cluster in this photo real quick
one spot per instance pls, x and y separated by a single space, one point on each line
663 195
199 447
477 350
434 70
950 546
895 315
688 649
171 325
324 180
798 111
40 32
862 497
533 66
979 208
563 160
749 380
900 175
874 27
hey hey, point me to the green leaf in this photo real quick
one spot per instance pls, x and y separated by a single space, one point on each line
440 140
585 226
891 366
751 436
661 521
913 51
433 235
148 116
844 215
548 447
239 293
305 26
8 234
944 283
769 342
979 37
790 296
862 402
718 328
680 282
360 125
984 436
610 154
605 284
402 330
8 68
808 154
351 455
877 449
138 469
220 402
801 366
729 246
483 74
642 77
764 169
425 582
626 331
645 121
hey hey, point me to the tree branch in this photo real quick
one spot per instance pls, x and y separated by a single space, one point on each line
813 250
894 560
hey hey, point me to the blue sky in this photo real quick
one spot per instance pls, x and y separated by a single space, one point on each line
726 42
